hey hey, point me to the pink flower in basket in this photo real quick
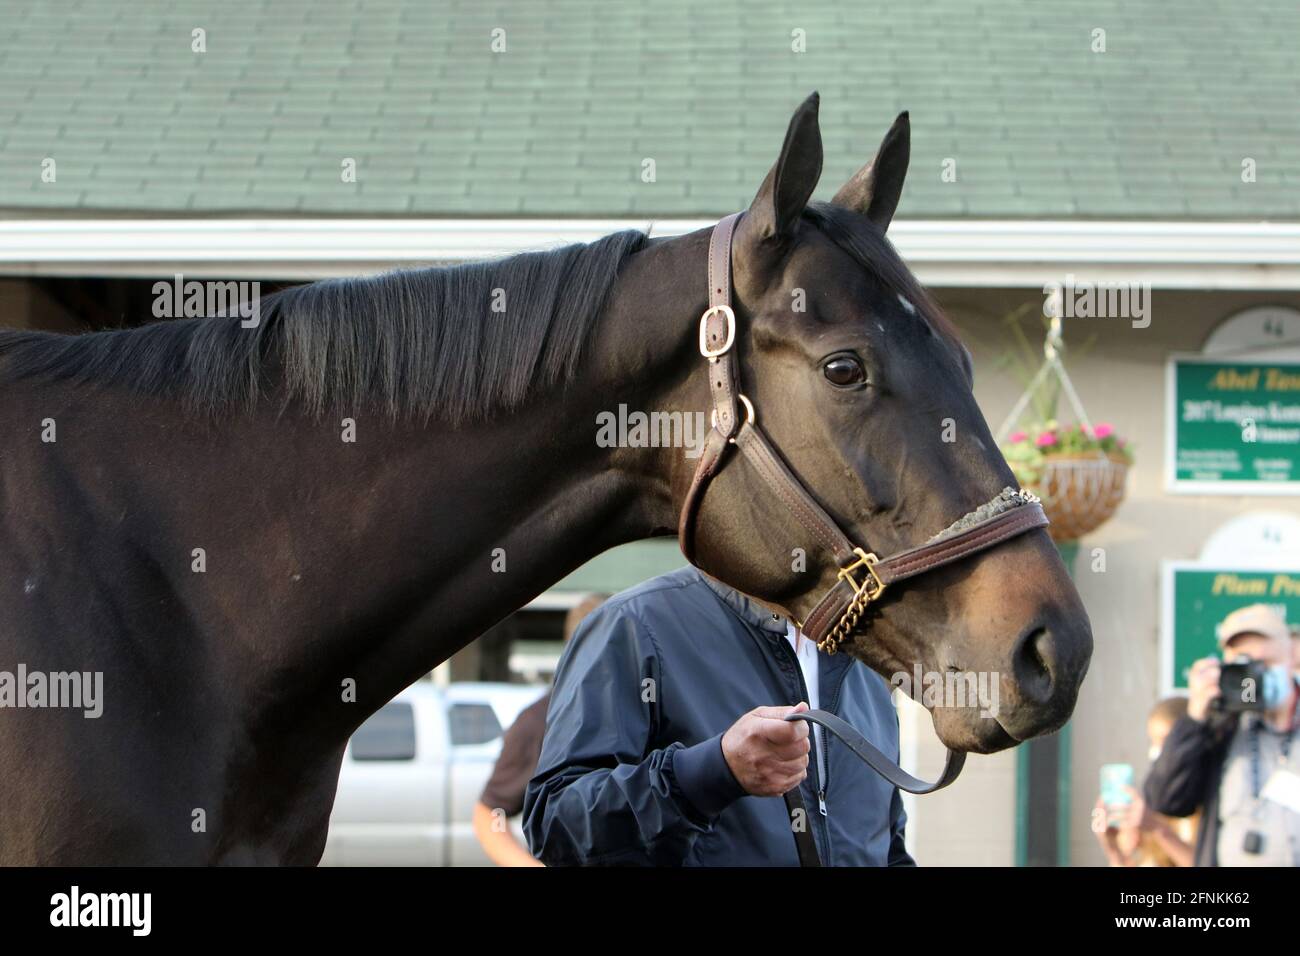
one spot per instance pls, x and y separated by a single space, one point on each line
1103 430
1045 440
1017 437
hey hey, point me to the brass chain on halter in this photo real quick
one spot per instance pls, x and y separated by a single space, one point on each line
863 594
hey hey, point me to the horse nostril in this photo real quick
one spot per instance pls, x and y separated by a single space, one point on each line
1035 663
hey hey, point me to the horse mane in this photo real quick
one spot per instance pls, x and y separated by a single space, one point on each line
422 342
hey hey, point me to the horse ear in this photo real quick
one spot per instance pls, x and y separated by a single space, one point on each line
875 188
790 184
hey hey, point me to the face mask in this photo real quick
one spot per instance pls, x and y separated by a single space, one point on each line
1276 686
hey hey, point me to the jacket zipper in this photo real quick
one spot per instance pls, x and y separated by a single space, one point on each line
822 769
824 776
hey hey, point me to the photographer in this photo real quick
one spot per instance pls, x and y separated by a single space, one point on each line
1232 754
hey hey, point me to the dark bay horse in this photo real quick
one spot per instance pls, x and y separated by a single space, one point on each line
257 536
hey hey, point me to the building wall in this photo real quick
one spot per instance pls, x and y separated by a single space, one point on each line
1120 376
25 304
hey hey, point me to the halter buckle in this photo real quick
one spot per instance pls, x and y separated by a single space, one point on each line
867 589
724 310
749 414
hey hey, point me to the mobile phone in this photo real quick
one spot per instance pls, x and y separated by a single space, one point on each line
1115 777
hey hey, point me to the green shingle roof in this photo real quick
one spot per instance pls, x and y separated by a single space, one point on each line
559 125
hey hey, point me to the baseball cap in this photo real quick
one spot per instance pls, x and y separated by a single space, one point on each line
1253 619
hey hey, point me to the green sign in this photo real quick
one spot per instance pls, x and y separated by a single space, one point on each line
627 565
1234 426
1197 597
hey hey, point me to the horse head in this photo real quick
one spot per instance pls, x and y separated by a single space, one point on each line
864 387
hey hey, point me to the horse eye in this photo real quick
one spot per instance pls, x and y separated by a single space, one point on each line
843 371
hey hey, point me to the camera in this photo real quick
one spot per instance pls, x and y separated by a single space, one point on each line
1241 685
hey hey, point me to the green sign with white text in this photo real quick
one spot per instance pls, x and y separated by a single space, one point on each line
1198 597
1236 426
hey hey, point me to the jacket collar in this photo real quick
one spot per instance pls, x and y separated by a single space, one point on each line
743 606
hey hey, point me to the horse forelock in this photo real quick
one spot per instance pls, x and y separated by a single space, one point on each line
871 249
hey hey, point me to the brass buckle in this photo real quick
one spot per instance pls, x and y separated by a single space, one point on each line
866 560
731 331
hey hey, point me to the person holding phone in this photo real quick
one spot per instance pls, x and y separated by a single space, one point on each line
1234 753
1129 831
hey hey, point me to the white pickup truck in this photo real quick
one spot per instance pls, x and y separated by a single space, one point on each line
414 771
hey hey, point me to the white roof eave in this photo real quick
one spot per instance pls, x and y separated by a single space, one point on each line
952 253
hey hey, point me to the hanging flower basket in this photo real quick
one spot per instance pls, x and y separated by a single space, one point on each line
1079 473
1080 493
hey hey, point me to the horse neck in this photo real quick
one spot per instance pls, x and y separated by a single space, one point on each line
435 537
486 516
374 559
647 361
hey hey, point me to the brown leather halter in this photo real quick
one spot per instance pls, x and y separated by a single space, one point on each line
862 577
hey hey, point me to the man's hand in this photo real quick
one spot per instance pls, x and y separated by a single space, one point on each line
768 754
1202 687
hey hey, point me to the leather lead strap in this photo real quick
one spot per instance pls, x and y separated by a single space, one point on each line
801 826
877 760
801 823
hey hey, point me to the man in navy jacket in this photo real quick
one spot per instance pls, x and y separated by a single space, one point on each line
665 745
